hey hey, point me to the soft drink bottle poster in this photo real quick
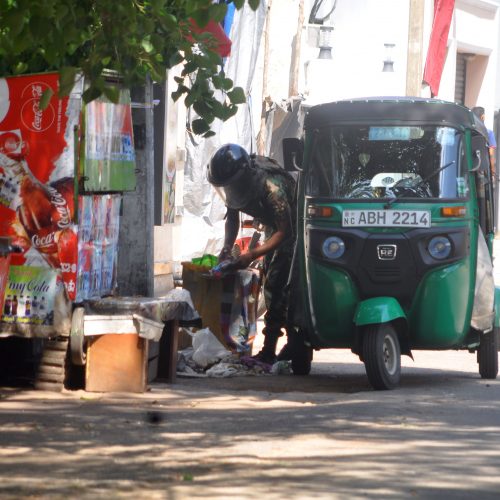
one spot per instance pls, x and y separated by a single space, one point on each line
109 163
37 173
30 295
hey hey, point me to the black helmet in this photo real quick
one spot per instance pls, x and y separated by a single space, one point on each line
228 164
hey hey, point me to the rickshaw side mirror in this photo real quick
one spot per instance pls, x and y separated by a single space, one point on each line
293 151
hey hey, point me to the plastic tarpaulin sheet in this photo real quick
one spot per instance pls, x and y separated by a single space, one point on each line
204 211
176 304
484 297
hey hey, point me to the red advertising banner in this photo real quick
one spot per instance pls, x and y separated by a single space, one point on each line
37 168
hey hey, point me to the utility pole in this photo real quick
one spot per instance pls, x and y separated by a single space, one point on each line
415 37
293 88
262 138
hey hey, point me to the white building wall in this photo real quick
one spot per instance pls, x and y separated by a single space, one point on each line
475 31
361 28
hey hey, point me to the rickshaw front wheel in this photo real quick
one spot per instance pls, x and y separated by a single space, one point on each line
487 355
382 356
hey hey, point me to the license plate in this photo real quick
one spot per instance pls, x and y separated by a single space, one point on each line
386 218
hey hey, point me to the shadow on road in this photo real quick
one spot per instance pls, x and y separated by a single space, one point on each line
347 378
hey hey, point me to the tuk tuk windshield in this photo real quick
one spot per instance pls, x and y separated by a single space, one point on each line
359 162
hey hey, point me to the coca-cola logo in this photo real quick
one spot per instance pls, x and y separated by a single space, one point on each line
61 206
10 142
43 241
32 116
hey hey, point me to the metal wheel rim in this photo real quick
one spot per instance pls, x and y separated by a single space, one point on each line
389 355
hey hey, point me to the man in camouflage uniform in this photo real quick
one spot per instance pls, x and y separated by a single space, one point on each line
259 187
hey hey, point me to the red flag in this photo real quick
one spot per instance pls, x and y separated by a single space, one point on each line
436 54
222 42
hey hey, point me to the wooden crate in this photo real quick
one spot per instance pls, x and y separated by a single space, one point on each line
117 363
126 362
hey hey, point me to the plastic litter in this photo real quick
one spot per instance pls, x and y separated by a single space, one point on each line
283 367
207 348
223 268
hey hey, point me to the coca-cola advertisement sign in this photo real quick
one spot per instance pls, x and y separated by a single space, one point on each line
37 165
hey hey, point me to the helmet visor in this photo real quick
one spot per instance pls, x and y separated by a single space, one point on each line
240 191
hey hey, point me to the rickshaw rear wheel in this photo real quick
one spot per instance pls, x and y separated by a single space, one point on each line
382 356
487 354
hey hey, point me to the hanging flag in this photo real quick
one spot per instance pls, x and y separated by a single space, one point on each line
436 54
222 42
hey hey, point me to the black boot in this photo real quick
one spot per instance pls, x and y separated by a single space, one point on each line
268 352
290 348
286 353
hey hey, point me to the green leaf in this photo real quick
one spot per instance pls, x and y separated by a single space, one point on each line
200 126
66 79
189 67
45 99
227 84
213 56
38 27
201 17
156 6
237 96
239 3
217 11
175 59
254 4
226 111
217 81
176 95
112 93
21 43
147 45
169 22
20 68
202 107
232 110
15 21
208 134
190 99
90 94
61 11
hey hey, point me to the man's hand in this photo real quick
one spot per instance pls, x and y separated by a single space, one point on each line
244 260
224 254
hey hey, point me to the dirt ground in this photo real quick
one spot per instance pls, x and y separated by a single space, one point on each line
327 435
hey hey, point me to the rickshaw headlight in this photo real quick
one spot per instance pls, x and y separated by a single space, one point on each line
333 247
439 247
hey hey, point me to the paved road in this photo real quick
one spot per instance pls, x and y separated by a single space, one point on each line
323 436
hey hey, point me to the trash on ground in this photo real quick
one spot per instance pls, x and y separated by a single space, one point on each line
208 358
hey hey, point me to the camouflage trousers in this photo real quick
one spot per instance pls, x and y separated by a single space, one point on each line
276 270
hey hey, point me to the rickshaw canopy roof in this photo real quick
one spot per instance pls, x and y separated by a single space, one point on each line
408 110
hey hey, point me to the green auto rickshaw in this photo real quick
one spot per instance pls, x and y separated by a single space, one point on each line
395 234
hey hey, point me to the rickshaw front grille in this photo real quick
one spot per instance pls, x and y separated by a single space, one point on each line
393 273
397 276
